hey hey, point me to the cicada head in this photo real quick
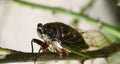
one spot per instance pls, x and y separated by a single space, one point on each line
40 30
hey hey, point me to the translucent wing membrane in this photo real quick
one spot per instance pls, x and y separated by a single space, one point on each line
95 39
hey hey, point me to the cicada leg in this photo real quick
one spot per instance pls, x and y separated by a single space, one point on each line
106 59
62 51
39 43
35 59
60 31
82 60
59 51
36 41
66 52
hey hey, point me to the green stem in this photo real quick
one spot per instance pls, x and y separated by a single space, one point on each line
113 30
118 3
4 51
88 5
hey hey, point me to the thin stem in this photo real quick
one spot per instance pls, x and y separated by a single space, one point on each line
118 2
106 27
87 6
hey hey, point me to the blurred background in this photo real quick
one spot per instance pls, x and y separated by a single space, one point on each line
18 22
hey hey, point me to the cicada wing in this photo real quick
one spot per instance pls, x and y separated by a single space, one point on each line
95 39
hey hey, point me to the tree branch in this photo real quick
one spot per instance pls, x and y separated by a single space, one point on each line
17 56
114 31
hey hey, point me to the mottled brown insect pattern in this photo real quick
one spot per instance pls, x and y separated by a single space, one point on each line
56 36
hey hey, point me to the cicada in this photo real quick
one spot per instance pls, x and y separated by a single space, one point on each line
62 38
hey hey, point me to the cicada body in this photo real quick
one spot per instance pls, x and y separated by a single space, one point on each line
65 35
61 38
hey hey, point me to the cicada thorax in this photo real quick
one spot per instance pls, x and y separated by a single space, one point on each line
66 34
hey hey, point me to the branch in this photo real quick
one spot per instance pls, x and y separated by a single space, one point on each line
83 10
118 2
17 56
105 27
88 5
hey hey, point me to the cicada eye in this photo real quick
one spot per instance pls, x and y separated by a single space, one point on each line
40 29
39 25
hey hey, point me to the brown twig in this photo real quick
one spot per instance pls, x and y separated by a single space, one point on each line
17 56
